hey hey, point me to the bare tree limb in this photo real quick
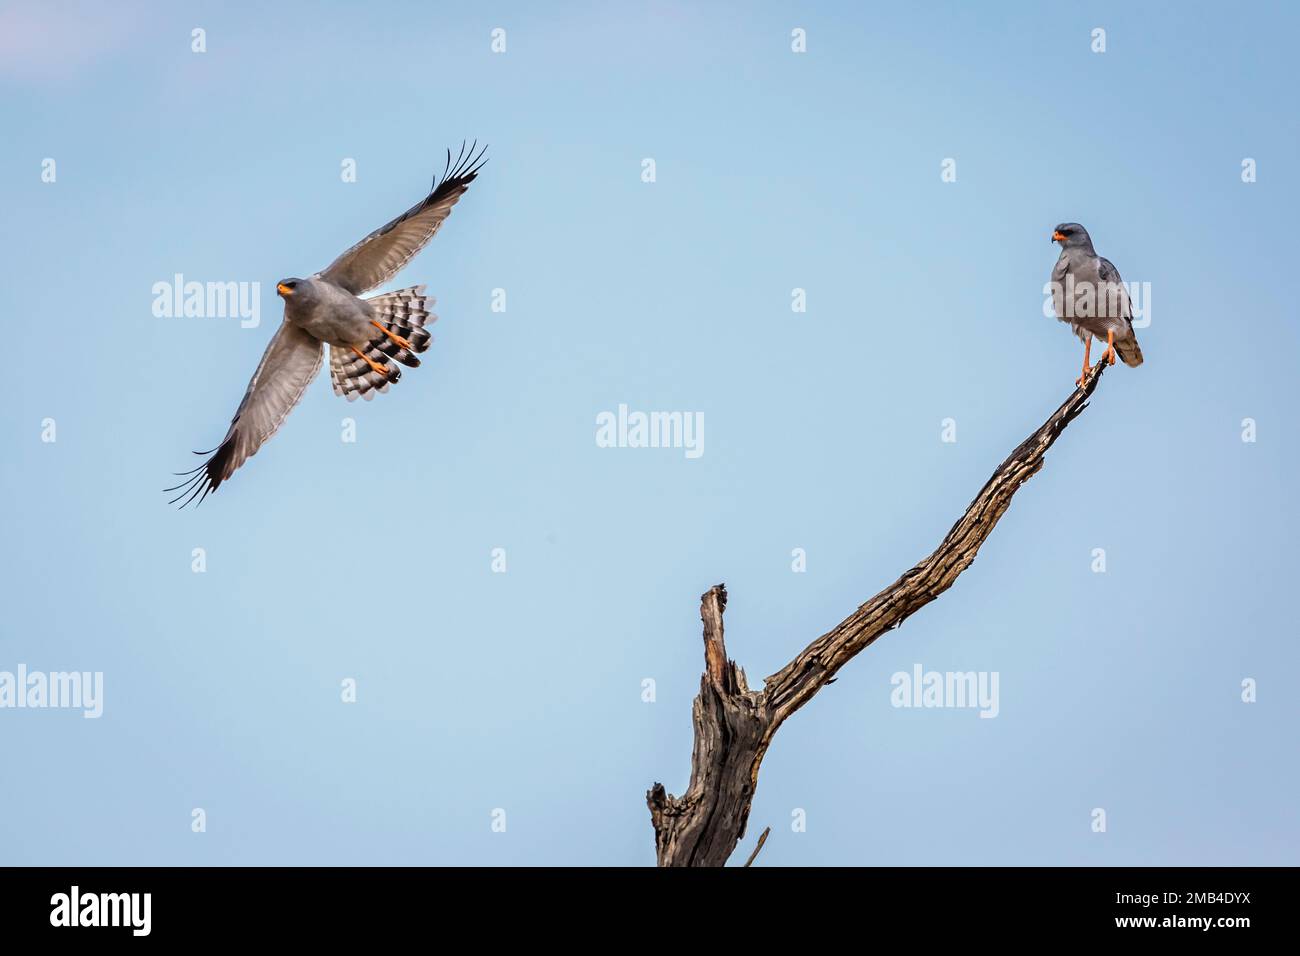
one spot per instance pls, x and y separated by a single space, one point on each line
762 838
734 726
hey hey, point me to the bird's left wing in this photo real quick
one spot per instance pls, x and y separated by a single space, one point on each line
290 363
1109 276
381 255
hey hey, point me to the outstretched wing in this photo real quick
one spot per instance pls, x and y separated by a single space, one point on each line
290 363
378 257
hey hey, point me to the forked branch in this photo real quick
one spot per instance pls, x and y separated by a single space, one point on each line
734 726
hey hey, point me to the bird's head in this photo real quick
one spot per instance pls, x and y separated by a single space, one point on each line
1071 235
296 289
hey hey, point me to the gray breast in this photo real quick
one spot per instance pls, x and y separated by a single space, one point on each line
1089 303
334 315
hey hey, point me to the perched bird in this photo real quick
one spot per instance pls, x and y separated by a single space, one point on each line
1089 295
368 338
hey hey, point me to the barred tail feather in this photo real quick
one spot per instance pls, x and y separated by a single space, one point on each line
405 313
1129 351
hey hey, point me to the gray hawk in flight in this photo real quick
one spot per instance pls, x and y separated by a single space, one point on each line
367 338
1089 295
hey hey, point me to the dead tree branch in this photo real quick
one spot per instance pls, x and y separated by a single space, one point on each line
734 726
762 838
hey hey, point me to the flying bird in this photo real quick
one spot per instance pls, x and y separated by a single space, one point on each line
1089 295
367 338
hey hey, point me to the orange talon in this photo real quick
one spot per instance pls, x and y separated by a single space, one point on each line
394 336
381 369
1109 354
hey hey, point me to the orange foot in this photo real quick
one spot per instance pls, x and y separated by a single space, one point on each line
381 369
1087 359
394 336
1109 355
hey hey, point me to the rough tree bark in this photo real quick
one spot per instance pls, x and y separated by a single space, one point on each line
734 726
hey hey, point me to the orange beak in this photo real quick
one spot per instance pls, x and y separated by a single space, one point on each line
1058 237
283 289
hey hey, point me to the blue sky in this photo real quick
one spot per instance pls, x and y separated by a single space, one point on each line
522 690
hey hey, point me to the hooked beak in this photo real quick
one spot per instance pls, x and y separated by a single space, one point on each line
1058 236
282 289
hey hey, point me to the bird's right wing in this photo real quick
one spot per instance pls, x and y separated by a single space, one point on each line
1058 287
381 255
288 366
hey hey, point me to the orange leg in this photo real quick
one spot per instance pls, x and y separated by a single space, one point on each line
381 369
1109 354
394 336
1087 359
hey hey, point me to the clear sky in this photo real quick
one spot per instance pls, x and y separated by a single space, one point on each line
522 691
